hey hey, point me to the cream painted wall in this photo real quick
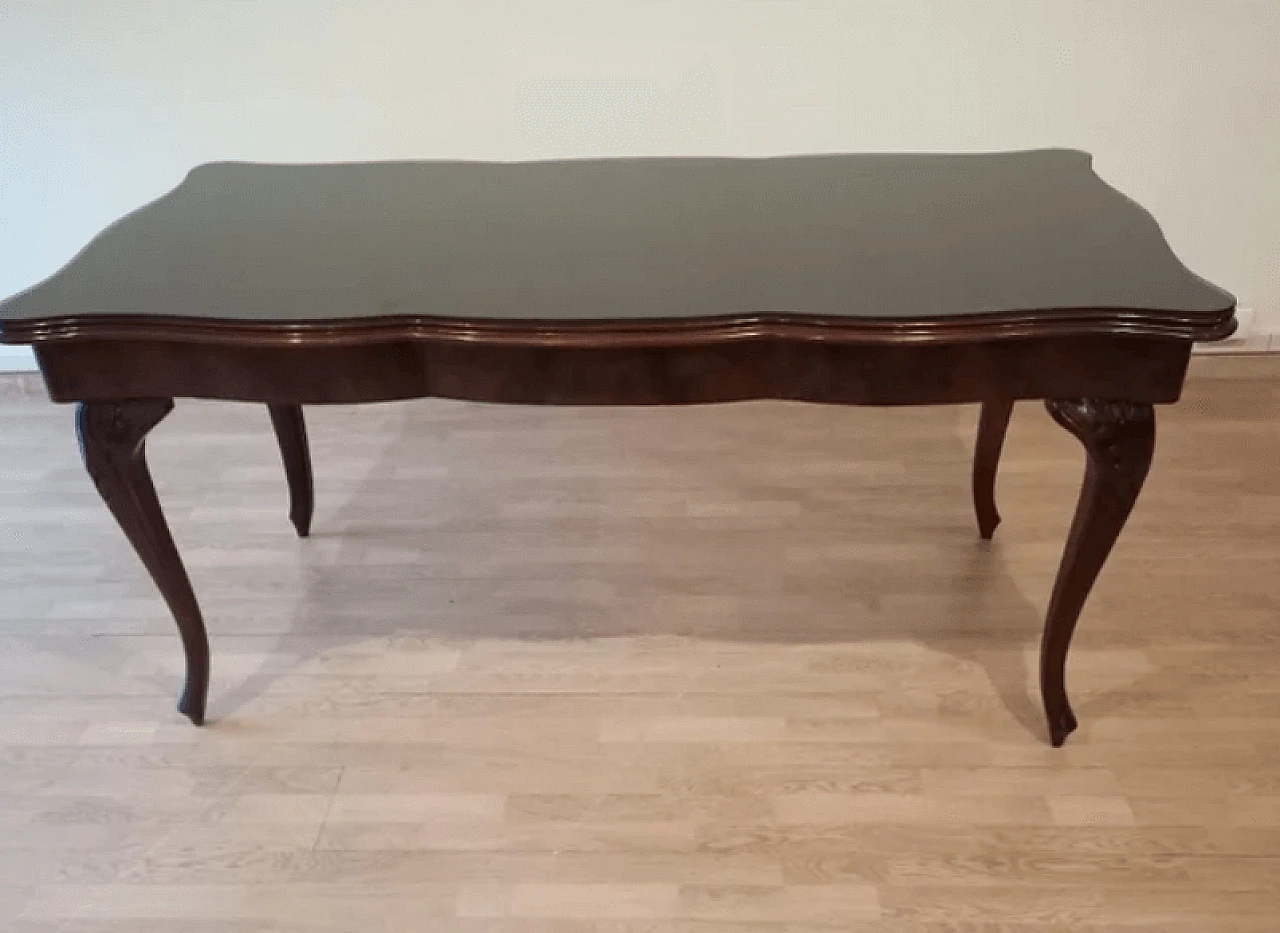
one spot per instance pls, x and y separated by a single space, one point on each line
105 104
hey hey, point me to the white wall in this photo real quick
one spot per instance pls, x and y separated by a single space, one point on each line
104 104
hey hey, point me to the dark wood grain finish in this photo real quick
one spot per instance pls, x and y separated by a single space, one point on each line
992 425
1209 324
291 432
1119 438
1143 370
906 373
113 443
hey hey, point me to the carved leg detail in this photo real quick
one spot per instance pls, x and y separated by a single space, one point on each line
291 432
986 460
1119 437
112 441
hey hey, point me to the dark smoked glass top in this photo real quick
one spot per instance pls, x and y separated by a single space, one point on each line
873 236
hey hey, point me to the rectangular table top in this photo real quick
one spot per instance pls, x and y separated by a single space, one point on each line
864 236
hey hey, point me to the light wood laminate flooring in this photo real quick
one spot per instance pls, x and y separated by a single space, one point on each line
729 668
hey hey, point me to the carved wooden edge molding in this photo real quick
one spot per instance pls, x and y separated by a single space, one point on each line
660 332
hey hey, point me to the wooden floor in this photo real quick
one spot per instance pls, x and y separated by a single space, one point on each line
740 667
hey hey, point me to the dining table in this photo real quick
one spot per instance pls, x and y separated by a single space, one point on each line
847 279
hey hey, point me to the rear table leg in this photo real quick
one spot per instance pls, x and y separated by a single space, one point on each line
291 432
986 459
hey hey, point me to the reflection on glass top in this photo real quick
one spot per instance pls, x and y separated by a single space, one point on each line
897 236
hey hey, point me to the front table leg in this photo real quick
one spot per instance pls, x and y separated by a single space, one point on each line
112 440
1119 437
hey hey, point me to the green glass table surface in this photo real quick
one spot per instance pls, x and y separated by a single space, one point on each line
864 236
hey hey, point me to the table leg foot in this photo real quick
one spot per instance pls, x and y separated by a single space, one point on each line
191 703
986 460
291 432
112 441
1062 722
1119 438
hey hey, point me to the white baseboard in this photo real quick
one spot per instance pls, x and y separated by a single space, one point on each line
1258 332
17 360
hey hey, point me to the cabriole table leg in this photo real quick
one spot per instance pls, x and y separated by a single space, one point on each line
1119 438
291 432
986 460
112 441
